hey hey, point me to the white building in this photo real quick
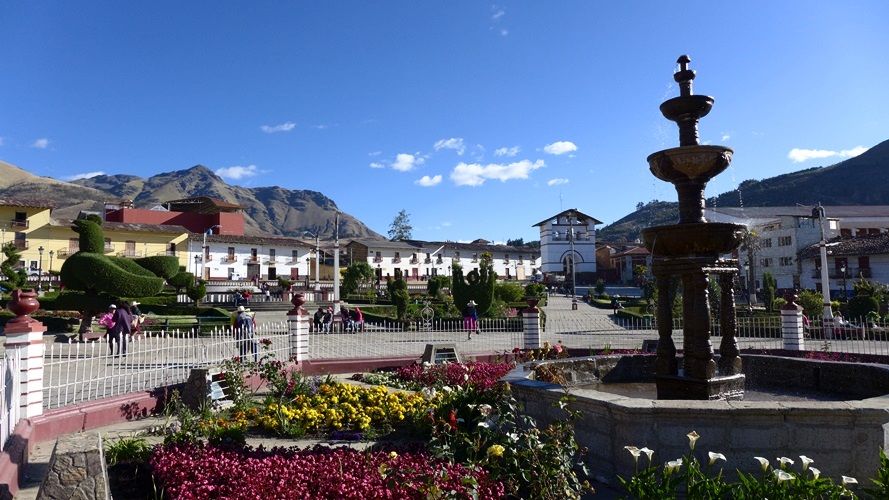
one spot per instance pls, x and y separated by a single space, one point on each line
228 257
784 231
568 238
418 260
848 260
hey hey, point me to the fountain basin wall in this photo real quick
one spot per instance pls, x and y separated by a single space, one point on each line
843 437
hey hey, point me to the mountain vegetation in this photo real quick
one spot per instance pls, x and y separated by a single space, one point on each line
851 182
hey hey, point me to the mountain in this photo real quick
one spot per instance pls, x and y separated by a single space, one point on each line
268 210
851 182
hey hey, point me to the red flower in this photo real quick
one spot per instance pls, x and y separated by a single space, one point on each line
452 419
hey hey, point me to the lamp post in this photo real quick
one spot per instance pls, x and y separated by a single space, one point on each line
573 261
197 260
843 271
207 231
747 288
40 268
827 315
317 257
50 268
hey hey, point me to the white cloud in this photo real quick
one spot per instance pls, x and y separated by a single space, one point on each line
726 137
41 143
504 32
801 155
498 14
454 143
556 182
405 162
284 127
427 181
507 151
237 172
376 165
475 175
87 175
447 224
561 147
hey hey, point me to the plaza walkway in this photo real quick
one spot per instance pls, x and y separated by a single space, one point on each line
562 323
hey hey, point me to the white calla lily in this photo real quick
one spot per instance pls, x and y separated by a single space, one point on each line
815 472
692 438
783 475
763 462
715 456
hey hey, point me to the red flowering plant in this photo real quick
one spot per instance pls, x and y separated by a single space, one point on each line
195 472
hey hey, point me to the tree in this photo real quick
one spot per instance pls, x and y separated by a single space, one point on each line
398 294
181 280
518 242
93 279
509 291
478 285
359 275
15 278
401 228
768 290
435 285
197 290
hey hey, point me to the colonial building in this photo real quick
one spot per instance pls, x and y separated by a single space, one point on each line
418 260
568 247
848 259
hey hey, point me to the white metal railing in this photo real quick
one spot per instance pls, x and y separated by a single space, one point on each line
382 339
10 394
78 372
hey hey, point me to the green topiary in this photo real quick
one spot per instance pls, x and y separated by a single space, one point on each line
165 266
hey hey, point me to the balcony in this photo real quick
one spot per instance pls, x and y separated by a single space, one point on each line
109 248
851 273
21 244
414 260
63 253
130 254
251 260
378 259
396 260
427 260
170 253
208 258
506 260
20 223
439 260
228 259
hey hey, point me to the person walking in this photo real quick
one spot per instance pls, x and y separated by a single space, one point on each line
245 333
123 322
470 319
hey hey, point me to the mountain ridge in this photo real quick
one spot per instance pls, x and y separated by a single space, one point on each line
849 182
268 210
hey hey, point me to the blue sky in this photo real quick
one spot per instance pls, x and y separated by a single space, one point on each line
479 119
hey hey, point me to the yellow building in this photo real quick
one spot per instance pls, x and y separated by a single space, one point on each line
45 242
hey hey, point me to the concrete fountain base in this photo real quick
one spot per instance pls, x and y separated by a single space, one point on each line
843 437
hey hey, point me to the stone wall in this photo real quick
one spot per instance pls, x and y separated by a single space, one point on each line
76 469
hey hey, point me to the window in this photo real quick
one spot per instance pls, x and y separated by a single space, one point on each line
784 241
520 259
766 262
785 261
294 254
767 243
253 255
231 255
456 255
506 259
475 257
271 254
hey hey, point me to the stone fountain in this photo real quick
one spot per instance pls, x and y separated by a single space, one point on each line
691 250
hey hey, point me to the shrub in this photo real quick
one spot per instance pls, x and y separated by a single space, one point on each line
860 305
508 291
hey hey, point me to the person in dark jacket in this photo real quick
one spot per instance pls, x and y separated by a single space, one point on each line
123 323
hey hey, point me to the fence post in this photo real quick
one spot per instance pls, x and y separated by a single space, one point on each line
25 335
792 328
298 326
531 325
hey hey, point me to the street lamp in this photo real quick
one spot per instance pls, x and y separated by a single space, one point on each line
747 289
827 315
40 269
197 260
843 271
50 268
317 257
573 261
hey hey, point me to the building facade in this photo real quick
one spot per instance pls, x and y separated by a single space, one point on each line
568 247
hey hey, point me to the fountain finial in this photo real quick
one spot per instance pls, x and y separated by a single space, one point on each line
684 76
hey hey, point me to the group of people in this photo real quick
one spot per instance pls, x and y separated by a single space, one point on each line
323 319
242 297
122 319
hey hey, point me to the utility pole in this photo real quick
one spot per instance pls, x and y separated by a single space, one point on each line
827 315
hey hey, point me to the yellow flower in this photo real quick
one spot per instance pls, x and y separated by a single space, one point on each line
495 451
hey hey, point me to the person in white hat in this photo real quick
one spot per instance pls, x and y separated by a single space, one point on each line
470 319
245 333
